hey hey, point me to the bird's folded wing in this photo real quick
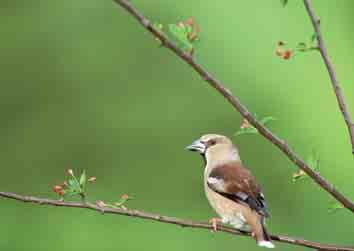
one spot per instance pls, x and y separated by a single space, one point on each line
236 183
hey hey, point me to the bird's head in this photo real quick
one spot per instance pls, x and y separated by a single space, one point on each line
215 147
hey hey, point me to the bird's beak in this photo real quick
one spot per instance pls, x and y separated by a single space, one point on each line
197 146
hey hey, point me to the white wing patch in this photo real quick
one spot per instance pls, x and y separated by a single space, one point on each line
242 195
217 184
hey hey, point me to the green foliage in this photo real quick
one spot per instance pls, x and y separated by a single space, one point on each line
247 128
180 33
72 186
313 37
313 161
83 180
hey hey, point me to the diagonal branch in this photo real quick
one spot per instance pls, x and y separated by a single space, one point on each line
332 74
167 219
236 103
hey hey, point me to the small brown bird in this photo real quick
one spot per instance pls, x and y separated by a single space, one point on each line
231 189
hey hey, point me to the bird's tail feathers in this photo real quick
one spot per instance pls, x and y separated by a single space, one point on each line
267 241
266 244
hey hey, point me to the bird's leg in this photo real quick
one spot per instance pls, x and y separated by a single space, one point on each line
253 234
214 222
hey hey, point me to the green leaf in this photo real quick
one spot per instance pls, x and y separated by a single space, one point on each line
83 180
300 174
247 130
181 35
74 185
157 26
70 193
284 2
301 46
313 161
314 37
334 207
265 120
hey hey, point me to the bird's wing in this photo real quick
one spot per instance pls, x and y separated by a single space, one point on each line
238 184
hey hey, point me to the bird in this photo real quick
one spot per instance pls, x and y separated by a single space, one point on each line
231 189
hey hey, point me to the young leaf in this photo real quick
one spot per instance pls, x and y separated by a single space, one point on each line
313 161
301 46
157 26
74 185
265 120
247 130
83 179
284 2
300 174
313 37
180 33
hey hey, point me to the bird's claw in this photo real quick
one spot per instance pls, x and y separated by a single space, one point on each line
214 222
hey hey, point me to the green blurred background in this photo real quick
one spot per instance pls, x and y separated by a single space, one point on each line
84 86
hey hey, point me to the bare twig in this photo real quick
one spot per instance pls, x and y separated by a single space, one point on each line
332 74
235 102
167 219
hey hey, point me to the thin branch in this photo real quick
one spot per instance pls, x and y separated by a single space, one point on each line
167 219
332 74
236 103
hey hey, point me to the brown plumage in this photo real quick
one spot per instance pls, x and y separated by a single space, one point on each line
231 188
239 185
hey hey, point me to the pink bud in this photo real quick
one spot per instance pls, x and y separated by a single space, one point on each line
57 189
61 192
100 203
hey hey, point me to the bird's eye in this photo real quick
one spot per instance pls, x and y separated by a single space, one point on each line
212 142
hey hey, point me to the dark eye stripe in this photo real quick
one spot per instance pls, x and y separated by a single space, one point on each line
211 142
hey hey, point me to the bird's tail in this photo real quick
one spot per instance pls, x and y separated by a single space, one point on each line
266 241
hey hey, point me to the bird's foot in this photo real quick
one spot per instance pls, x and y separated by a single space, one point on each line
253 234
214 222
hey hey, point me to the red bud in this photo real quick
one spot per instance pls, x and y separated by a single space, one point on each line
57 189
287 54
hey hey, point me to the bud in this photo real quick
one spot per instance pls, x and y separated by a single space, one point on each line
70 172
61 192
279 52
287 54
245 124
190 21
124 197
100 203
180 25
91 179
57 189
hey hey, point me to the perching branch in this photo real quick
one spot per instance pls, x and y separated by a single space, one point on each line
332 74
169 220
236 103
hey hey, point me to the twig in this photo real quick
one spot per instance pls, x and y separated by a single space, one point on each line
332 74
235 102
167 219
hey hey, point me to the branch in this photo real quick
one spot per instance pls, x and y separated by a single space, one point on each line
332 74
167 219
236 103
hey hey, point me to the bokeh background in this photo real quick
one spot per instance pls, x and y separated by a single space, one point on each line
84 86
